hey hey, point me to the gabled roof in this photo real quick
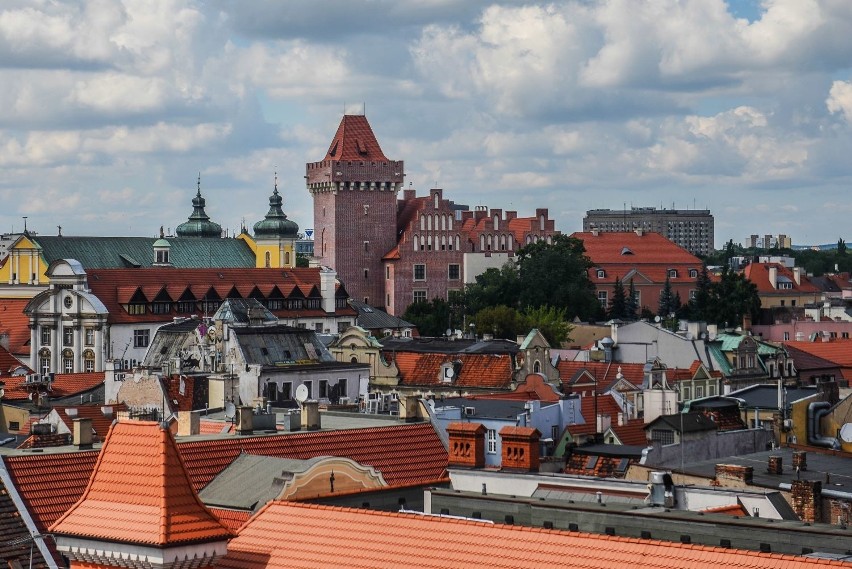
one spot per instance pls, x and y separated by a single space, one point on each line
126 252
692 422
607 248
395 540
63 385
16 324
355 141
372 318
476 370
837 351
758 274
139 492
102 416
630 433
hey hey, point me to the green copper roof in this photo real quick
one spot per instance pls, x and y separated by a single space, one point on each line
162 243
198 224
122 252
276 224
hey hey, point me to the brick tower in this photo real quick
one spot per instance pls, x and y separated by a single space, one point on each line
354 189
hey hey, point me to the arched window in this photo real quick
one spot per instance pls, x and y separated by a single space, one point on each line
443 242
44 361
429 243
537 367
443 222
489 242
437 203
88 361
437 223
416 242
429 222
482 242
496 222
353 360
286 258
422 222
267 259
502 242
550 240
458 242
450 222
541 222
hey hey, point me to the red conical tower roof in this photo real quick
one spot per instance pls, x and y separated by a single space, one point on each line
139 492
354 140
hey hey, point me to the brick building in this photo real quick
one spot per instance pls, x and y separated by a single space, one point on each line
391 252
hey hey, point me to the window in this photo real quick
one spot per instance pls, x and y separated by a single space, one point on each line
366 246
163 257
387 271
45 336
711 390
136 309
323 389
88 361
68 302
663 436
786 336
141 338
699 391
310 386
275 304
453 272
419 296
692 294
343 325
420 272
366 273
601 274
318 327
186 306
602 297
491 441
267 260
161 308
67 336
90 337
672 273
68 365
44 362
693 273
14 426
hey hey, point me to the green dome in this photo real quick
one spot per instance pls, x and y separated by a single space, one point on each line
162 243
276 224
198 224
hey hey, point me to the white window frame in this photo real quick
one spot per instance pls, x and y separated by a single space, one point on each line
491 441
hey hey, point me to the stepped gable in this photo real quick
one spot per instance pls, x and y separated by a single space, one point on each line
355 141
140 493
323 536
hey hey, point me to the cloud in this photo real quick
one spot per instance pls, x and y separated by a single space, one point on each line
840 99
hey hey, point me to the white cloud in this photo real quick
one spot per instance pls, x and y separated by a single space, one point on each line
840 99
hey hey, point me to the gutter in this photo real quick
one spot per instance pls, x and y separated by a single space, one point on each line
37 538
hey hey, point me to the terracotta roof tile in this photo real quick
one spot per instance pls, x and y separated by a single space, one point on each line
48 497
139 492
758 273
231 519
14 542
631 433
68 384
477 370
323 536
101 421
16 324
355 141
650 249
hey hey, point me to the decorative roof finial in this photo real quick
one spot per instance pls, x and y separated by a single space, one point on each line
275 190
199 183
25 223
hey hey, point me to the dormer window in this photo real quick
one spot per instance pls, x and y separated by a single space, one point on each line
672 273
162 257
601 274
693 273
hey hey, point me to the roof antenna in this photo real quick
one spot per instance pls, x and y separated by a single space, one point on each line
59 227
25 223
365 108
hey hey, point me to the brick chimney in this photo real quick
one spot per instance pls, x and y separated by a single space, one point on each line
520 448
800 460
734 473
310 415
773 276
467 445
775 465
82 433
807 500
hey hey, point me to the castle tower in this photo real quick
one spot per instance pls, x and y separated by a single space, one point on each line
354 190
276 236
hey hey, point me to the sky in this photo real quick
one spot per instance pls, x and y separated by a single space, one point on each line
110 110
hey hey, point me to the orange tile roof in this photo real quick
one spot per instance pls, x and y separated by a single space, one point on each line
604 372
231 519
100 422
838 351
208 427
477 370
649 249
67 384
16 324
355 141
324 536
730 510
631 433
758 273
139 492
406 455
48 497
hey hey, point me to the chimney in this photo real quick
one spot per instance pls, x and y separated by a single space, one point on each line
82 433
797 275
595 232
467 445
604 422
800 460
773 276
774 465
640 231
807 500
410 409
310 415
245 420
189 423
328 278
520 448
746 323
734 473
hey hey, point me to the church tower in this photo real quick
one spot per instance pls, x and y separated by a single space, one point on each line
354 190
276 236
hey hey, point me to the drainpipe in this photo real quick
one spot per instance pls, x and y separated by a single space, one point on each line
816 411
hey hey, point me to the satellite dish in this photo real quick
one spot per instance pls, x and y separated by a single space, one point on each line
302 393
230 410
657 318
846 433
448 332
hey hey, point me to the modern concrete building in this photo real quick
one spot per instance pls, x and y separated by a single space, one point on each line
692 229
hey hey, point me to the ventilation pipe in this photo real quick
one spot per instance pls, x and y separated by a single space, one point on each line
816 411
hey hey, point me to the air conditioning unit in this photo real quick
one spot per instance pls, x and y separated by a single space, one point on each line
788 424
469 411
343 401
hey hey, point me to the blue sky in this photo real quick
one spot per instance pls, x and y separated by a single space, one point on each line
109 109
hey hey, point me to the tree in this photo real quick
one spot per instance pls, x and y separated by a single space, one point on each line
431 317
550 322
556 274
841 247
618 302
630 306
733 297
699 306
502 321
494 287
666 300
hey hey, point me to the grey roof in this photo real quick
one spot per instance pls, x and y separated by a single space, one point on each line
251 481
766 396
372 318
838 468
553 493
688 422
449 346
275 345
243 311
124 252
603 449
171 341
485 408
